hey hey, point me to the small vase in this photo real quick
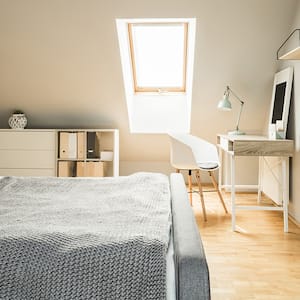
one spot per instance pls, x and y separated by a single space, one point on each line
17 121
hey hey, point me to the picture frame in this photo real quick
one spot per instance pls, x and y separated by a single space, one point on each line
280 103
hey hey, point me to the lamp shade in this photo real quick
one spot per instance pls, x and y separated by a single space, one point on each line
224 104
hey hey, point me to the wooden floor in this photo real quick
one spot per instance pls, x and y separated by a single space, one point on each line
259 261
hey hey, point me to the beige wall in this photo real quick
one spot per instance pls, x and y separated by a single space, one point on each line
294 127
59 62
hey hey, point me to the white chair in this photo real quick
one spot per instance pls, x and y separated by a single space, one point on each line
192 153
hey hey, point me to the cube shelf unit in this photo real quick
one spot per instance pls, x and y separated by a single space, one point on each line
87 152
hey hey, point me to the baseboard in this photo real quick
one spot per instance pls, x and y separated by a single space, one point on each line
292 219
241 188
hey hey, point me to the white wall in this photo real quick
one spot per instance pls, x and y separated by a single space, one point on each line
59 62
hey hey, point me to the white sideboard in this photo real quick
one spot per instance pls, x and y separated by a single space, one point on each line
36 152
27 152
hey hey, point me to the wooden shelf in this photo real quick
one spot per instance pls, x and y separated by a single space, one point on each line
79 150
291 42
292 55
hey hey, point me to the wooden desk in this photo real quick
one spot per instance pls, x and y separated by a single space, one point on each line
251 145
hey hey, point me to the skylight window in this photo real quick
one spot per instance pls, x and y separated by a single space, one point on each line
158 55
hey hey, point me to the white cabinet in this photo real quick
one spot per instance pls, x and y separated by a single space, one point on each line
27 152
59 152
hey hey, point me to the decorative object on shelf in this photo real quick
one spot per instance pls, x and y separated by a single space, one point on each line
294 53
17 120
272 132
280 133
225 104
106 155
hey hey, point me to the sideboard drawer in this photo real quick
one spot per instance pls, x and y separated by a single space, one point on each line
27 172
27 140
33 159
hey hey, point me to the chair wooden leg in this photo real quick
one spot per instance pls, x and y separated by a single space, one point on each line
190 187
201 194
217 189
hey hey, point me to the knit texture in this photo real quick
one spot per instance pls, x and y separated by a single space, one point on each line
79 238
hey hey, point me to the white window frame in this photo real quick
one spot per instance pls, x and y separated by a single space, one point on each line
157 111
140 89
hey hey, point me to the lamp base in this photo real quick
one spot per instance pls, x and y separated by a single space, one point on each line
235 132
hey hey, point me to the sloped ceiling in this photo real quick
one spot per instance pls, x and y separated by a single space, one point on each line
60 63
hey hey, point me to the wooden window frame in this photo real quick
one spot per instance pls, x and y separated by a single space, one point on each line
139 89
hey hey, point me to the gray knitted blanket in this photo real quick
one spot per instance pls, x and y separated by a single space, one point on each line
79 238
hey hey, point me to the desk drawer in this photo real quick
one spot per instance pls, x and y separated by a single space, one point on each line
263 148
255 146
225 144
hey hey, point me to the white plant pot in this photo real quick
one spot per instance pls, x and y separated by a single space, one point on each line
17 121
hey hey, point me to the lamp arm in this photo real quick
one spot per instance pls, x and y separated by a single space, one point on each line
239 116
234 94
241 108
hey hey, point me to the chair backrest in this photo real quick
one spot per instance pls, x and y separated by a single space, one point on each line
191 152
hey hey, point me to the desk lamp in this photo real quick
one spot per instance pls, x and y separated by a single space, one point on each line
225 104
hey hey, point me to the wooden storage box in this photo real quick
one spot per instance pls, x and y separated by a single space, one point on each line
65 169
106 155
90 169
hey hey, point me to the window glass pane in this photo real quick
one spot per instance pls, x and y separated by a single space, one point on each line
159 54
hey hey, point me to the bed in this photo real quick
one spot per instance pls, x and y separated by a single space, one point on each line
131 237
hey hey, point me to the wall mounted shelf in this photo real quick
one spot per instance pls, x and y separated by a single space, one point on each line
294 52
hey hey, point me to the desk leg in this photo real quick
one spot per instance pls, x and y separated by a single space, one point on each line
232 166
260 177
285 193
220 169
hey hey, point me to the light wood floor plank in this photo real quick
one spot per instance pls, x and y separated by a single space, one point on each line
258 262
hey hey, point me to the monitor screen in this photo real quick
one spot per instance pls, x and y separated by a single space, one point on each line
278 102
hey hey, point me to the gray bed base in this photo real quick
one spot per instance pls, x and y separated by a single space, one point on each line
191 270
